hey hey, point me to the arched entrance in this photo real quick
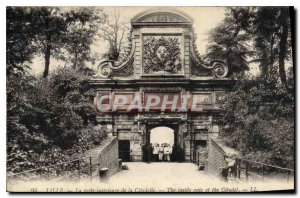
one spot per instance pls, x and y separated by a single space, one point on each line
165 133
162 135
162 141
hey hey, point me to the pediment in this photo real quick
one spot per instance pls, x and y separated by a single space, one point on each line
162 16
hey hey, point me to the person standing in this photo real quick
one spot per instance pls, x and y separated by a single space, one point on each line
161 152
150 157
170 151
167 153
173 154
155 152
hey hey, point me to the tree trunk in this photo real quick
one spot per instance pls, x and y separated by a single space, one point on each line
271 69
47 57
47 61
283 43
264 64
75 62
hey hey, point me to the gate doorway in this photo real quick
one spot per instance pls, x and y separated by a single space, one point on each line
162 135
124 150
162 144
200 151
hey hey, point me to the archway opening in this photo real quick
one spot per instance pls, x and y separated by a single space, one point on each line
162 142
162 135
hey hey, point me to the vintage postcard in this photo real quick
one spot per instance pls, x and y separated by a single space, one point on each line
150 99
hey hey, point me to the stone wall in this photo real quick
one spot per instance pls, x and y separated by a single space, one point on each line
219 156
107 155
215 160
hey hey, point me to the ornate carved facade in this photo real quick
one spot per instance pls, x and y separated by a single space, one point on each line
163 61
162 54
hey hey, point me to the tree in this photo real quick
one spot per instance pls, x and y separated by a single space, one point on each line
65 34
256 34
284 21
50 26
35 125
113 32
229 41
257 119
270 30
82 27
20 34
264 30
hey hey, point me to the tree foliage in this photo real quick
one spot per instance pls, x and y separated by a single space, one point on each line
230 42
257 117
272 34
254 34
65 34
82 28
50 119
49 26
114 33
55 113
19 47
258 120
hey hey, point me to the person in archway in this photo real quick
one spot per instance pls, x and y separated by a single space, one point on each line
161 152
147 153
167 152
144 150
155 152
150 156
170 151
174 154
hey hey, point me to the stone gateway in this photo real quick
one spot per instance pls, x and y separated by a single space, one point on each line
163 61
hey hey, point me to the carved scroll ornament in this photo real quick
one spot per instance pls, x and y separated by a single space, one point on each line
217 68
107 69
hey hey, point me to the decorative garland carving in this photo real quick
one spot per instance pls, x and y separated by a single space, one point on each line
162 54
217 68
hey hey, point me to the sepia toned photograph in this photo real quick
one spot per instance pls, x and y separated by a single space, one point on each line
150 99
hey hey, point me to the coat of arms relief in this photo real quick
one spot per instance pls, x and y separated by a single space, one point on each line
162 55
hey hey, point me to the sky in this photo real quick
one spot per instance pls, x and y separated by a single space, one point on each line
162 135
205 19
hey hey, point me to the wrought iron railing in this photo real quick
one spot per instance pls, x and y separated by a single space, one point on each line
252 170
74 169
242 169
